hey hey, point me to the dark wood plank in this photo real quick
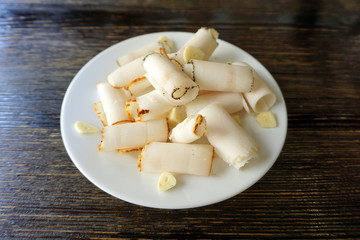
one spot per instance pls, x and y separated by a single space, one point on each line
312 49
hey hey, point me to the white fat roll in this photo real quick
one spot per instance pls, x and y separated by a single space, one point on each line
133 136
148 106
247 108
99 109
231 142
177 87
215 76
261 98
151 47
232 102
140 86
189 130
204 39
125 74
195 159
113 101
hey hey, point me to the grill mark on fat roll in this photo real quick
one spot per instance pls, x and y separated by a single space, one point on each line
198 121
186 90
163 52
128 150
147 56
143 111
102 139
127 106
98 113
193 70
252 80
212 160
122 121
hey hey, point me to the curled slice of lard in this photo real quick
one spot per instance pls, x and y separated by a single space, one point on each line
177 87
113 102
133 136
232 143
125 74
261 98
139 86
189 130
205 40
232 102
215 76
148 106
162 43
195 159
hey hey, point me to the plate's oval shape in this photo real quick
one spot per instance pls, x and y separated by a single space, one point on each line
118 175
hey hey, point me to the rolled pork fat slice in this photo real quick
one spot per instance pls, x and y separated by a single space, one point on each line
139 86
195 159
222 77
133 136
149 106
246 105
99 109
232 102
113 101
189 130
163 42
204 39
261 98
231 142
177 87
125 74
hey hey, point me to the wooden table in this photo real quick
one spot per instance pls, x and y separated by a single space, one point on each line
312 48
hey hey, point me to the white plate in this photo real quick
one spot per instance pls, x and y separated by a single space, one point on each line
118 175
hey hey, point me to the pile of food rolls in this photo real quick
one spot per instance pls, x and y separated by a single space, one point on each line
160 101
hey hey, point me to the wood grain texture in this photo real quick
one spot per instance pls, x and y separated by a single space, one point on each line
312 48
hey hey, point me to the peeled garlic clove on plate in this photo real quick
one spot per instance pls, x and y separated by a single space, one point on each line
85 128
266 119
166 181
